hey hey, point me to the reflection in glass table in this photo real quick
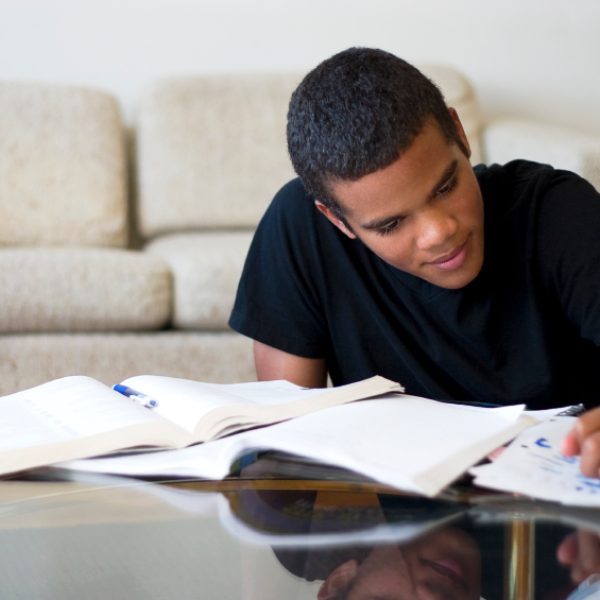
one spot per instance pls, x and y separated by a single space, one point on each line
252 538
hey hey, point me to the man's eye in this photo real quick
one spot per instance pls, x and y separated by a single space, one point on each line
389 227
448 186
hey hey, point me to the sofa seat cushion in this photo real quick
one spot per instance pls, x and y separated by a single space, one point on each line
206 267
67 289
62 167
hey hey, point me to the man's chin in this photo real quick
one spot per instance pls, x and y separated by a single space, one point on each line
454 280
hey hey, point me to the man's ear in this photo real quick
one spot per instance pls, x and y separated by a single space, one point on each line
337 580
334 219
460 131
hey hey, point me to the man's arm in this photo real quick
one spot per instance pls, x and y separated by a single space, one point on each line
584 439
272 363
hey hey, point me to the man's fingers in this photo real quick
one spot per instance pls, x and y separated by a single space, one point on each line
584 439
589 551
570 444
580 552
587 424
590 455
566 553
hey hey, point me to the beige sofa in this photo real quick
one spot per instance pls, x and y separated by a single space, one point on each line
120 254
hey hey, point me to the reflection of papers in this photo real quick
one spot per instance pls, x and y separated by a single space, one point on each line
503 509
533 465
346 534
92 499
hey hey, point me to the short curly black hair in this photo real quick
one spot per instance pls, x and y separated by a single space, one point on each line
355 113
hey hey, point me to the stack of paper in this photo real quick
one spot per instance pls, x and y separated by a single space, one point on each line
411 443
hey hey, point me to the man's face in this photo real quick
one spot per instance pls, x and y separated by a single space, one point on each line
445 565
423 214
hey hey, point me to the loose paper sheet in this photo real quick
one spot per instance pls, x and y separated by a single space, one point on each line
533 465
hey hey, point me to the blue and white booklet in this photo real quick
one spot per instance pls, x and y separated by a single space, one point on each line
533 465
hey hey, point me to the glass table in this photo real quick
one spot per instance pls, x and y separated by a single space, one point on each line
74 536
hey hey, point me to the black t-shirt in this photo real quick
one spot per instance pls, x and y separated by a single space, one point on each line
526 329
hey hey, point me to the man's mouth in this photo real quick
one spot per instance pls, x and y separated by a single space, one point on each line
451 260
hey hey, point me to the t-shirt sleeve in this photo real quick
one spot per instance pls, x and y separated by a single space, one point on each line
277 302
569 246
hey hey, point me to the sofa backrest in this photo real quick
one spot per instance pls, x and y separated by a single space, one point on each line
210 154
62 167
211 151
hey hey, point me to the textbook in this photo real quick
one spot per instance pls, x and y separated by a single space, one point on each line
78 416
411 443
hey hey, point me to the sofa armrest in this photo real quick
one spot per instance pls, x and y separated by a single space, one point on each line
562 147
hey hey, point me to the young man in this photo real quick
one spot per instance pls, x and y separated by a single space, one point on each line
463 284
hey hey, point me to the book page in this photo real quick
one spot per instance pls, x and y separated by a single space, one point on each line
210 410
67 408
186 402
223 421
412 443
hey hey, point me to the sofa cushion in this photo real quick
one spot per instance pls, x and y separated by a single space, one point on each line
64 289
62 167
211 151
206 268
565 148
28 359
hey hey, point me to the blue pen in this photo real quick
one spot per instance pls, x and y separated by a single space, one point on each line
140 398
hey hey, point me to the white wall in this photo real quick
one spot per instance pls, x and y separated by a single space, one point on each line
526 57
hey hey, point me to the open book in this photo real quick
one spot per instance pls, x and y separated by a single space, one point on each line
78 416
411 443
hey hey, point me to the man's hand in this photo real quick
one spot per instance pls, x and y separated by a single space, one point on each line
580 552
584 439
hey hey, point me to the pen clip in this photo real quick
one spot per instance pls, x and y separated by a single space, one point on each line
572 411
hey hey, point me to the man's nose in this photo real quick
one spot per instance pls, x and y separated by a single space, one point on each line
436 227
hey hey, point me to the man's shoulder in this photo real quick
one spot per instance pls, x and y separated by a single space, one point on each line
291 210
518 171
521 184
289 204
521 173
293 193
